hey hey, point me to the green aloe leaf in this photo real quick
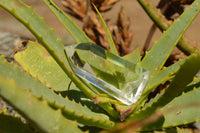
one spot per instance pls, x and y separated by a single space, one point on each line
183 77
7 121
133 57
70 109
109 37
37 61
48 39
69 24
186 109
37 111
161 77
36 24
163 24
194 84
183 110
156 57
45 36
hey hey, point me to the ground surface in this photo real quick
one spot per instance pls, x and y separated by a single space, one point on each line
140 22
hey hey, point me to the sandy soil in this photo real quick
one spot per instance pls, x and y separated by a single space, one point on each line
141 23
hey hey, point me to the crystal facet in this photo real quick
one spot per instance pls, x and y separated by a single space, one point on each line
110 73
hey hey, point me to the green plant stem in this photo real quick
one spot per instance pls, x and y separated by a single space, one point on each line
163 24
184 47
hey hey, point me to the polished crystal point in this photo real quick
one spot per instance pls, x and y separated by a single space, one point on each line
110 73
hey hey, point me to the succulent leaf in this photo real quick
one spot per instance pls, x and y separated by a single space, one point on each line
187 107
182 110
45 36
37 61
70 109
7 121
165 75
38 92
69 24
183 77
36 111
156 57
133 57
163 23
36 24
109 37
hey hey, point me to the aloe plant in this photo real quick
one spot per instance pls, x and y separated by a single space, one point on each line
50 95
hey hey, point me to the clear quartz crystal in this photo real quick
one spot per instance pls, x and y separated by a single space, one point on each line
129 79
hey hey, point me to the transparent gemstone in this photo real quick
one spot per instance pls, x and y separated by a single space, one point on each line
110 73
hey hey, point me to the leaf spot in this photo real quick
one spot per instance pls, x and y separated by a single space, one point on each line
46 54
102 63
179 112
156 68
17 5
29 102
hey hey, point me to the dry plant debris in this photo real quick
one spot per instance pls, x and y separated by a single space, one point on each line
123 36
77 8
120 32
171 7
104 5
94 29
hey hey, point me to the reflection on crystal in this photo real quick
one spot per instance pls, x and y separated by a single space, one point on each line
112 74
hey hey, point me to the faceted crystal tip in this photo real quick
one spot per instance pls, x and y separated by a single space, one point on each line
110 73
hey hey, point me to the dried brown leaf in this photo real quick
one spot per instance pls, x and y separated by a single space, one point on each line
95 31
122 36
77 8
104 5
